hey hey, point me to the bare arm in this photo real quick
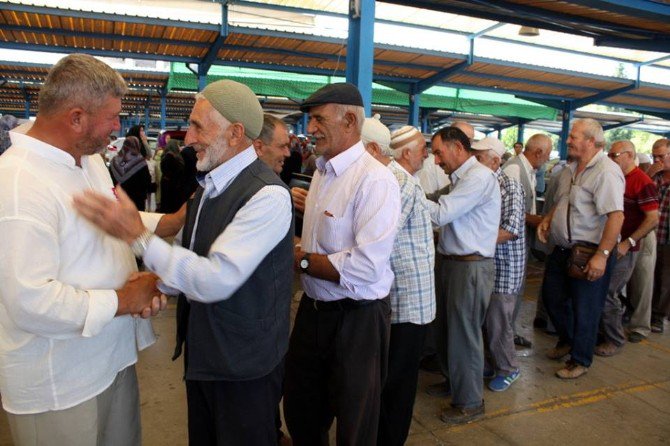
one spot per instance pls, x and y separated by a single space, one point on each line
648 224
319 266
170 224
595 268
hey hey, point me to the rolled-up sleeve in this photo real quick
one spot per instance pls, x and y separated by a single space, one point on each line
33 297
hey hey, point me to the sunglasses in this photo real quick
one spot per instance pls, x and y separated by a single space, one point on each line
614 156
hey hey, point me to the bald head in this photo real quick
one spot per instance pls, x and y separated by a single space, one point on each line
465 128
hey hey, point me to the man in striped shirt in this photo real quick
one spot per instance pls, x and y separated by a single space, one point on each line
660 172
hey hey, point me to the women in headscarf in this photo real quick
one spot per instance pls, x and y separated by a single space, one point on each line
172 178
138 132
130 170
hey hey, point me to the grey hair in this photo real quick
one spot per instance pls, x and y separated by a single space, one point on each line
270 123
79 80
358 111
626 143
533 144
592 129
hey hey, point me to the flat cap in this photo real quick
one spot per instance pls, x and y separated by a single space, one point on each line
489 143
237 103
338 93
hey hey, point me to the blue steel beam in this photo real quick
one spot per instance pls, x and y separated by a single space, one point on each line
652 10
213 52
602 96
360 48
621 124
657 43
414 106
566 117
428 82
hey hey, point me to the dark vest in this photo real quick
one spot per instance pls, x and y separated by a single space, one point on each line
245 336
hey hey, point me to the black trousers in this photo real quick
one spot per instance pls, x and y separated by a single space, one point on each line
335 368
399 391
234 413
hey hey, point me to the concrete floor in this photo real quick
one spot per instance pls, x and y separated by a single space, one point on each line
623 400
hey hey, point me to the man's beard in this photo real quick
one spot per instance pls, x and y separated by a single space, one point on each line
213 154
92 145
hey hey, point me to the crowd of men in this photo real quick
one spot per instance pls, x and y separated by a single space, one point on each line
381 263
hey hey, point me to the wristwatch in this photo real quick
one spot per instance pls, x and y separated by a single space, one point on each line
140 244
632 242
304 262
606 252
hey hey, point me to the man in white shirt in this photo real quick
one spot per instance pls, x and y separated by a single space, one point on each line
68 343
337 358
233 270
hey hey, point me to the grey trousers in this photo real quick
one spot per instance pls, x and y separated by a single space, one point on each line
660 303
641 285
467 291
611 326
500 333
110 419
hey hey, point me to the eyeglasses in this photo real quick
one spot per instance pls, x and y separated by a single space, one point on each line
613 155
659 157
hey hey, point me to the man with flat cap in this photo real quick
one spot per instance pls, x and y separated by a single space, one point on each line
337 356
233 310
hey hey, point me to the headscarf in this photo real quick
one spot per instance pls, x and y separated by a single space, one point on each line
129 160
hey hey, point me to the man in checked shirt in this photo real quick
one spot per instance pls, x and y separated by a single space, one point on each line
510 260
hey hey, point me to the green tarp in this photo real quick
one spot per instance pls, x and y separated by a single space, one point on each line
300 86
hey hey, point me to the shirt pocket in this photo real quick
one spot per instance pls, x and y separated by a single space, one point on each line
335 234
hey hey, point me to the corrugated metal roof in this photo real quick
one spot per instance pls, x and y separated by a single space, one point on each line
61 30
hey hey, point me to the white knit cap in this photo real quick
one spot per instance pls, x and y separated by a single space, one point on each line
405 135
375 131
643 158
490 143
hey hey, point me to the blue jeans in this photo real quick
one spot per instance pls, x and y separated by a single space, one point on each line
574 306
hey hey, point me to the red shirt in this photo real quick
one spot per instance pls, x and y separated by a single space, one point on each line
640 196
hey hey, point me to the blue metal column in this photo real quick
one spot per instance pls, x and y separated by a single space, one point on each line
163 107
522 127
360 48
565 129
147 117
302 124
414 106
425 122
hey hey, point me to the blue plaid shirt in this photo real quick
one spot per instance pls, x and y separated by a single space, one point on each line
413 256
510 257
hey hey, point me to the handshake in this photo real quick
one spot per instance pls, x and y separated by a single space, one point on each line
140 297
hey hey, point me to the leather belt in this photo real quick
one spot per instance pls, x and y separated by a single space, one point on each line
340 304
465 258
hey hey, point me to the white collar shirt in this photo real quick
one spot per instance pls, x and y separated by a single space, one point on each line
351 215
60 342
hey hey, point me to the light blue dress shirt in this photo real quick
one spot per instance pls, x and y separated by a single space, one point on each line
469 216
255 230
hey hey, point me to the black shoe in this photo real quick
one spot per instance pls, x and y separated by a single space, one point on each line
636 337
657 326
522 342
540 323
459 415
440 390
